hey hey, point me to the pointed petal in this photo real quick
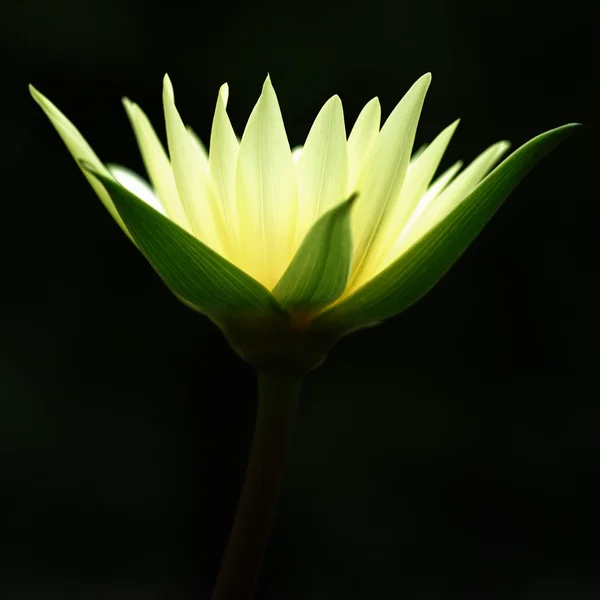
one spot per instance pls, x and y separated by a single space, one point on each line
137 185
79 149
437 187
187 162
361 138
322 169
411 275
196 274
319 271
433 191
222 165
266 192
157 164
382 176
453 194
418 176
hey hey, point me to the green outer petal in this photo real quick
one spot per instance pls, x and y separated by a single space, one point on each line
412 275
79 149
194 272
319 271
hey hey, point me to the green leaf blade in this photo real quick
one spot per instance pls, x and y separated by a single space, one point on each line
195 273
319 271
414 273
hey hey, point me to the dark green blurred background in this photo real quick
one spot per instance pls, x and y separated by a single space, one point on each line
451 453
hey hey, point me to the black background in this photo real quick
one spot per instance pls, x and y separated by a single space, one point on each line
451 453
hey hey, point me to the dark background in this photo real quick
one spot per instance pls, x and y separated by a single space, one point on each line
451 453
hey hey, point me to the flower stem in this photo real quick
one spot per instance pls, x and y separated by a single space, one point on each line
278 394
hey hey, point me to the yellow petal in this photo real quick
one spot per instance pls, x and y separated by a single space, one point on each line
381 178
296 152
266 192
417 153
157 164
450 198
137 185
433 191
361 138
187 162
418 176
322 168
79 149
222 164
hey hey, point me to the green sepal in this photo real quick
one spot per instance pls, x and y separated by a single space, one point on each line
199 276
319 271
414 273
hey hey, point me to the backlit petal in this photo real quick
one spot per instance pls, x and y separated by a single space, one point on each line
381 178
418 176
266 192
79 149
137 185
157 164
361 138
222 165
451 197
322 168
187 161
433 191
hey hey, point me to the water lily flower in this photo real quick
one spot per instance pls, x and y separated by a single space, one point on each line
252 228
289 250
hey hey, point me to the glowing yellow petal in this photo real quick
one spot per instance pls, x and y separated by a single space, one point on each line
296 152
433 191
157 164
418 176
190 175
266 192
79 149
453 194
417 153
361 138
381 178
137 185
322 168
222 164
